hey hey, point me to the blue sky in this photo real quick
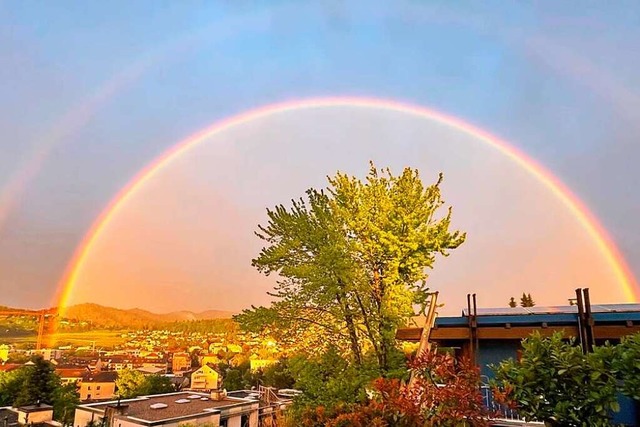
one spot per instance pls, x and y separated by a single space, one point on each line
558 79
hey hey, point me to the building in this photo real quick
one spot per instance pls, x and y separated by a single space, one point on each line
273 403
27 415
181 362
4 352
489 336
205 378
172 410
209 359
49 354
71 374
98 386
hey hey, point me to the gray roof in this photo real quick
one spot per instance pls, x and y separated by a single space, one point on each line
556 309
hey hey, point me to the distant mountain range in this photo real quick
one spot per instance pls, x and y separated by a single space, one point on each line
100 315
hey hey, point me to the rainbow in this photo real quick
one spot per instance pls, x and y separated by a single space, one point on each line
591 225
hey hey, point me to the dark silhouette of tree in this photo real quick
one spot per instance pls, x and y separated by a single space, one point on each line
526 300
513 303
40 383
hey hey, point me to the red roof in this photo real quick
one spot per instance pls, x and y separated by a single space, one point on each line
9 367
71 372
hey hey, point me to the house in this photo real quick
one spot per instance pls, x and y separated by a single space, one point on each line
205 378
181 362
273 403
40 414
491 335
4 352
150 370
172 410
209 359
70 374
98 386
49 354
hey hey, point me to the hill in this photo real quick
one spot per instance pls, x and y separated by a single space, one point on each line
110 317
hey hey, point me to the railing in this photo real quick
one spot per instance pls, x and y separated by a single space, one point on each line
502 412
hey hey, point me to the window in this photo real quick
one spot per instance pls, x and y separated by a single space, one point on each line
89 387
97 387
224 423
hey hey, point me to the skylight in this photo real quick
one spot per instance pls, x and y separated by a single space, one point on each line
158 405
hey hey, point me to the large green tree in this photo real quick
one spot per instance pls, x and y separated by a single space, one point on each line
38 382
352 261
132 383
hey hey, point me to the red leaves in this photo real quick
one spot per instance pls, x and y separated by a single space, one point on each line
445 392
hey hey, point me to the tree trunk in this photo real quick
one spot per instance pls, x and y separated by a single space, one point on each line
351 327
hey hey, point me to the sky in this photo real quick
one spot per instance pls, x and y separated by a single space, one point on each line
92 93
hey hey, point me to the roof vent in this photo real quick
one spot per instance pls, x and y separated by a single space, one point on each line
183 401
204 399
158 406
194 396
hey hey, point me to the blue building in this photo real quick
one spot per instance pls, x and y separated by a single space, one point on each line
489 336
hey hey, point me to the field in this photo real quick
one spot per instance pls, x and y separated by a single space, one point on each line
102 339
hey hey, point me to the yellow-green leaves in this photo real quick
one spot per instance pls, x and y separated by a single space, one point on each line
353 258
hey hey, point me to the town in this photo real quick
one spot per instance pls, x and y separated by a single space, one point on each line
341 213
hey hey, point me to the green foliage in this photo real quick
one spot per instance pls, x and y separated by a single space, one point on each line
10 385
157 384
39 383
132 383
353 262
278 375
443 393
238 377
626 365
328 380
66 399
129 383
556 383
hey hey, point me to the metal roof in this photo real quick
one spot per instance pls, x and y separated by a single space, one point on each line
557 309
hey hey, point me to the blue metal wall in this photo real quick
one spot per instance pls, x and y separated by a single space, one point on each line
494 352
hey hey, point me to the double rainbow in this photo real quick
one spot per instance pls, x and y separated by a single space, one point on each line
553 184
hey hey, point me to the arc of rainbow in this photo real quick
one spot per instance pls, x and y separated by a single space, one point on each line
570 201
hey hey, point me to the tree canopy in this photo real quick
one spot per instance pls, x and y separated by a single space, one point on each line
351 261
132 383
35 383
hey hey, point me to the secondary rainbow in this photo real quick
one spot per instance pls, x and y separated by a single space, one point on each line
576 207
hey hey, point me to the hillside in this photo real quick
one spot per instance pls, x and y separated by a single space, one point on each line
99 315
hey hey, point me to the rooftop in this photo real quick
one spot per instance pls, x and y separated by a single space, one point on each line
35 408
100 377
193 404
556 309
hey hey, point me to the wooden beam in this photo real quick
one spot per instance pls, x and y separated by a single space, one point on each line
601 332
610 332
